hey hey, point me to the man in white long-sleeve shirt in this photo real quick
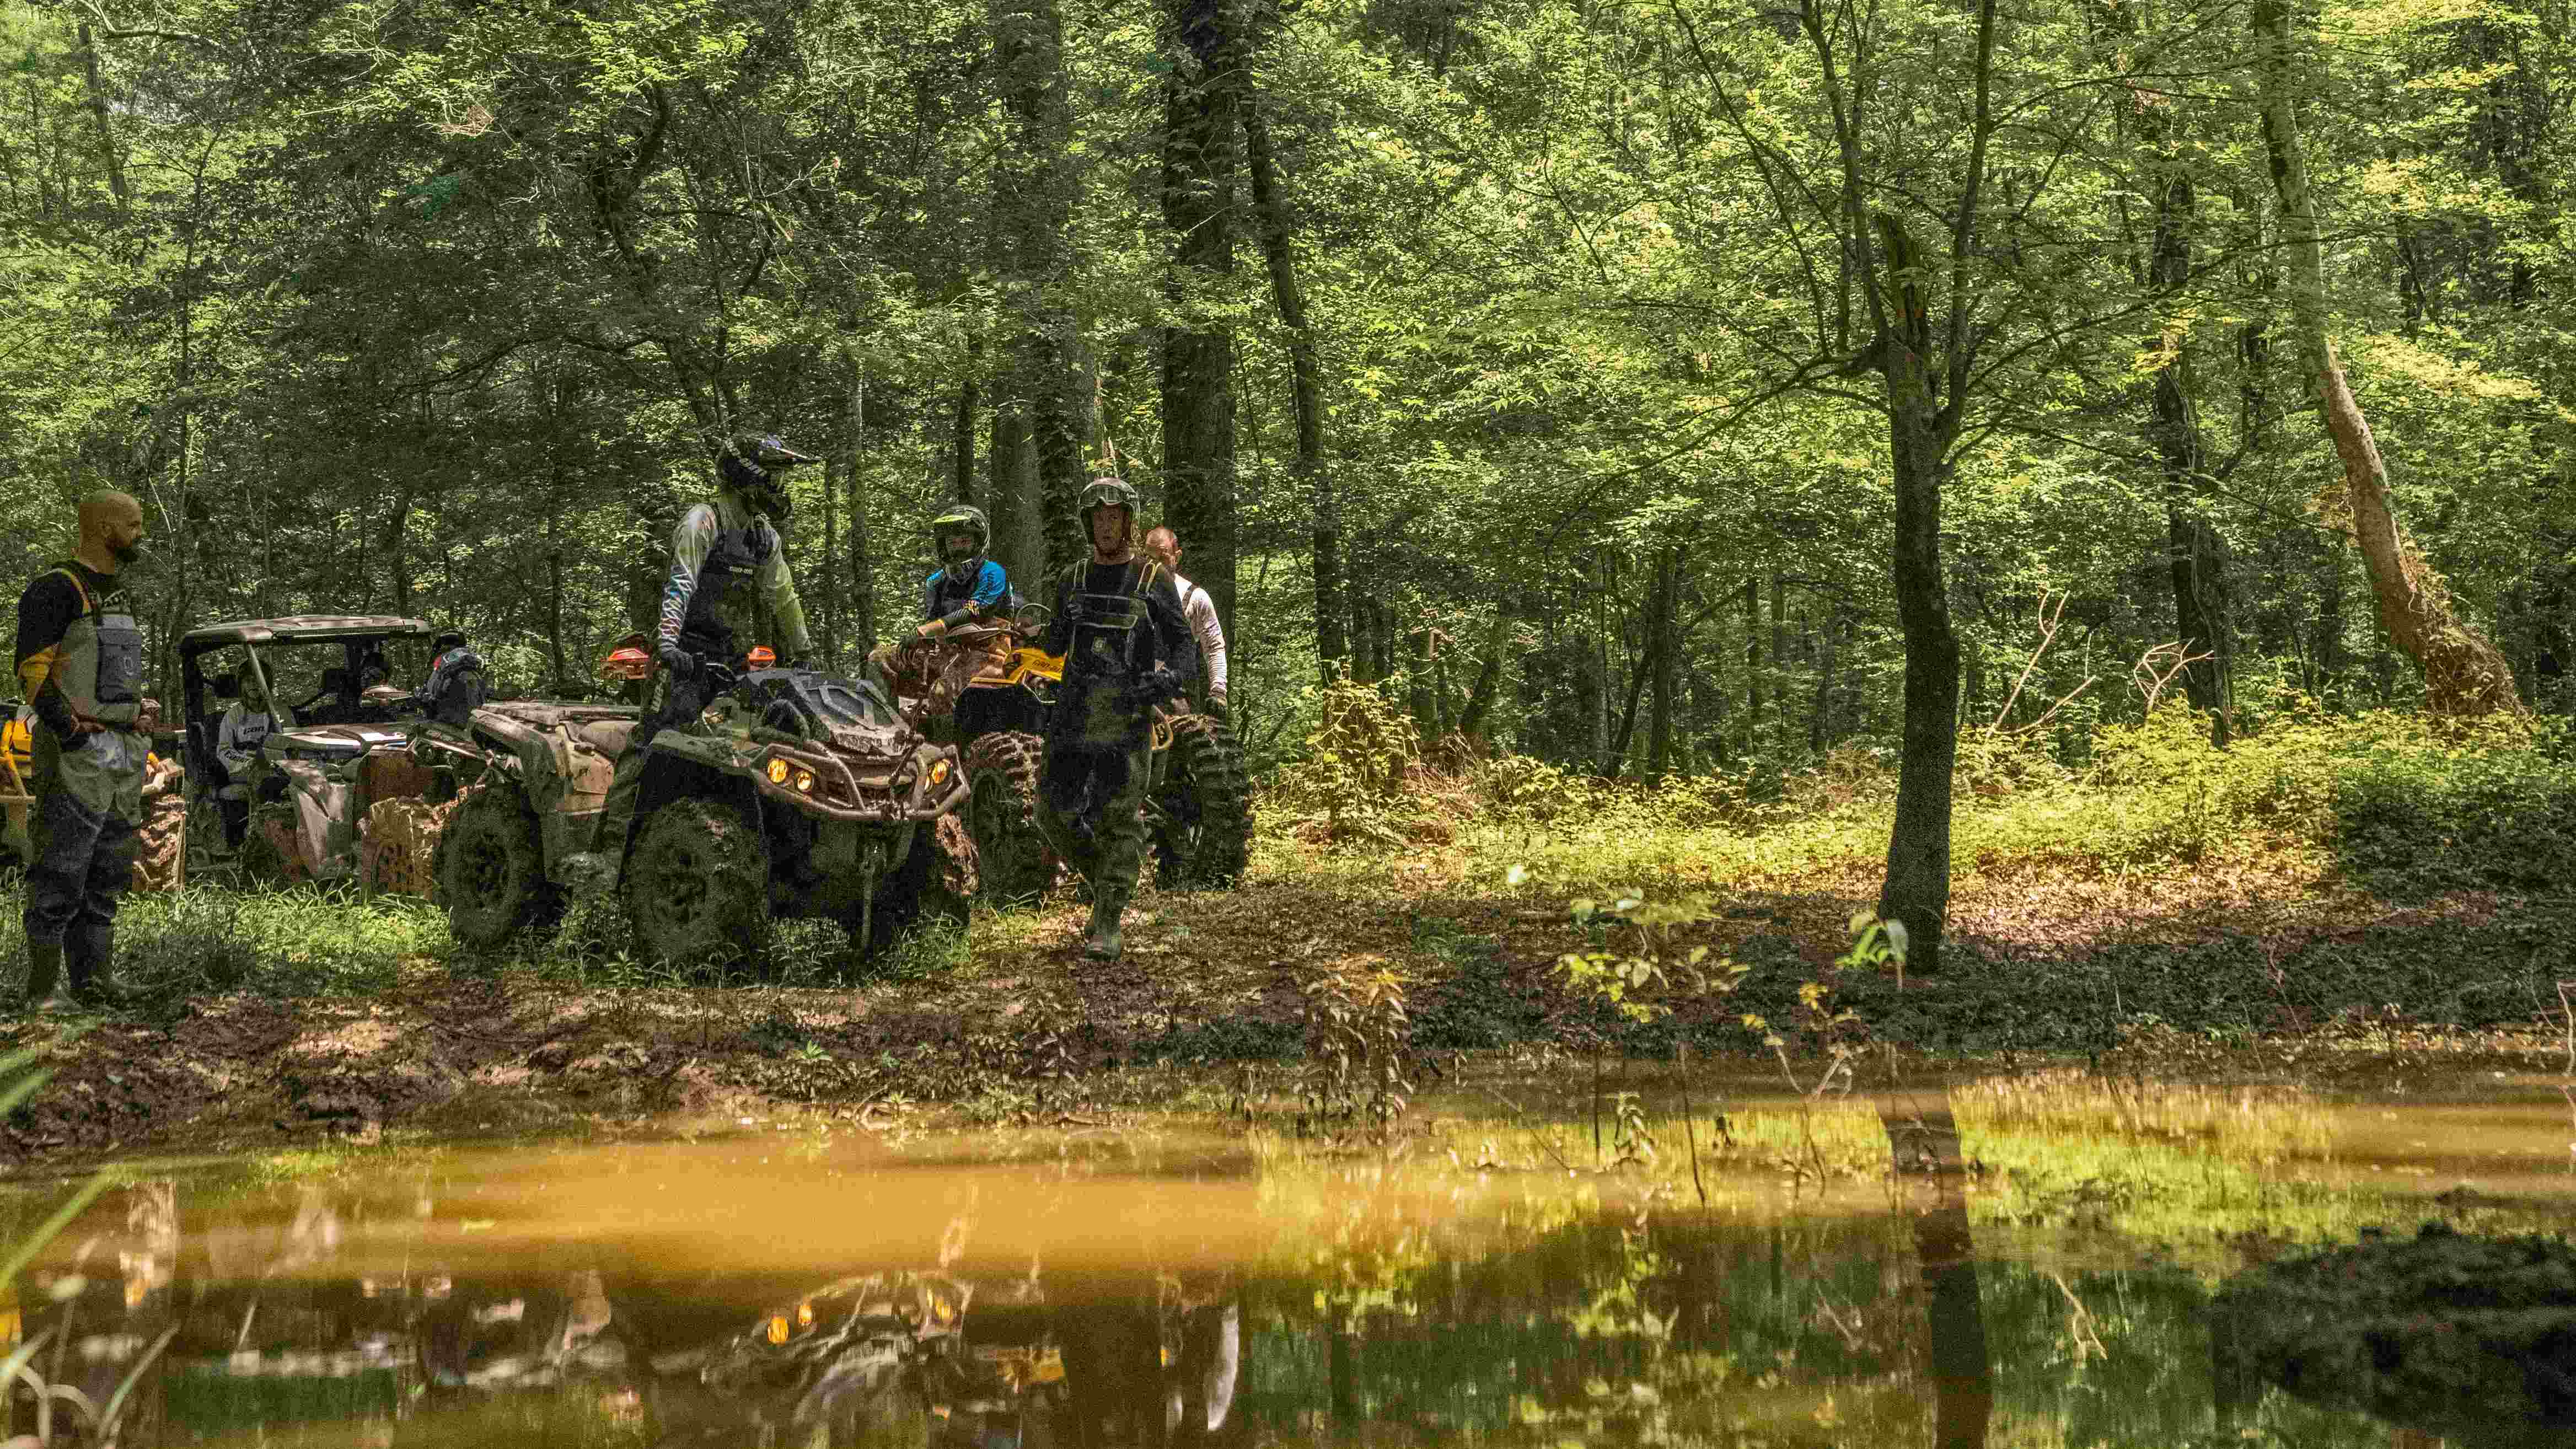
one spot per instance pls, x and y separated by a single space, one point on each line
1164 546
237 740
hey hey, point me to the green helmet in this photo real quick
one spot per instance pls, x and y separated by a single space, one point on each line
1102 493
960 518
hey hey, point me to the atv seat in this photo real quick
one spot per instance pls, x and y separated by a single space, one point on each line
611 737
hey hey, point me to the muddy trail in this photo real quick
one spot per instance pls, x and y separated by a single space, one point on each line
2350 989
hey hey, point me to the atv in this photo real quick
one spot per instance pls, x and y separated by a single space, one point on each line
981 682
337 752
794 794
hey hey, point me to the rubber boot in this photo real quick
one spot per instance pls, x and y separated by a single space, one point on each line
1108 904
45 994
87 952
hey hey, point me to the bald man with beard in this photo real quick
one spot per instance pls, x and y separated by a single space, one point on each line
80 661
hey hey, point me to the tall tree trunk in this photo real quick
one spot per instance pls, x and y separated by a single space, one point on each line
863 591
1278 229
2326 644
108 150
1614 761
828 637
1820 712
1200 114
1897 277
1489 675
1659 729
1418 645
1043 185
1779 651
2198 558
557 394
1917 890
2463 672
1010 486
962 481
1752 662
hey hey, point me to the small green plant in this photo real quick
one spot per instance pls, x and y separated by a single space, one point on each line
1359 757
1359 1049
1638 983
1838 1031
1632 1141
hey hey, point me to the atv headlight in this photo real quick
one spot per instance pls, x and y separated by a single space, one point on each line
805 781
938 773
777 771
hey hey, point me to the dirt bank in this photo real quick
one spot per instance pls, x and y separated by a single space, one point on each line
2307 992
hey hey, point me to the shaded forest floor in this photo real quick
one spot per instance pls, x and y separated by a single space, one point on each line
2346 901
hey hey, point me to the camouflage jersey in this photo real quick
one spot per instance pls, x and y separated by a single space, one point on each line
726 562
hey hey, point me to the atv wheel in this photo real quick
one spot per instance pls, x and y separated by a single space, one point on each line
935 880
1205 830
697 886
1002 815
490 871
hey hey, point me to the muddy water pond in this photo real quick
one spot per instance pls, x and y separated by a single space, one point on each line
2028 1263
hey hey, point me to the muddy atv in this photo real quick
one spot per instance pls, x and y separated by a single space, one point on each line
338 751
795 795
985 685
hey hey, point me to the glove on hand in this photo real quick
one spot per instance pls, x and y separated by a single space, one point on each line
679 661
1216 707
1155 688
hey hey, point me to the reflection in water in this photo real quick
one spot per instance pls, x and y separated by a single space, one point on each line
1924 1142
611 1299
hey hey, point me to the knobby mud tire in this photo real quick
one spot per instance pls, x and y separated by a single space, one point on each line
1002 816
697 886
1205 837
936 880
490 869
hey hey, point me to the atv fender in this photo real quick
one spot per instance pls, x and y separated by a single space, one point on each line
668 777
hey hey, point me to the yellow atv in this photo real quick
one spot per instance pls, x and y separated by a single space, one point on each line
979 680
17 793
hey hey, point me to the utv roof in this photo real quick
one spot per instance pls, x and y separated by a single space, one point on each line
299 629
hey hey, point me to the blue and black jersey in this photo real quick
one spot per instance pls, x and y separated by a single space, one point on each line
941 596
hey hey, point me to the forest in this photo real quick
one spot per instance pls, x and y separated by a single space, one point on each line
1651 392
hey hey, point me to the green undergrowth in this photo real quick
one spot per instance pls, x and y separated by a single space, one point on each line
207 941
2404 805
590 948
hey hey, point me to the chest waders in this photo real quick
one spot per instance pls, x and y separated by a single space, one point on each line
89 801
719 611
1100 755
1111 650
724 608
99 668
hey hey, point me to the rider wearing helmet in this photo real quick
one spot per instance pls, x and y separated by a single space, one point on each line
965 575
727 560
727 557
1127 649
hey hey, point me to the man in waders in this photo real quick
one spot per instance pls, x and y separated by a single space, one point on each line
80 659
727 560
1127 649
